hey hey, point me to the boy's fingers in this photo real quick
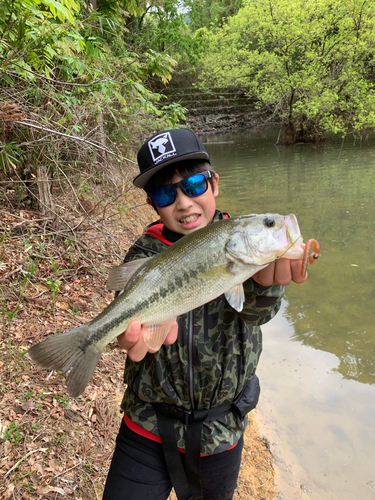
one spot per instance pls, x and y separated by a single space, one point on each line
280 272
131 335
139 350
172 334
132 340
265 277
283 272
135 345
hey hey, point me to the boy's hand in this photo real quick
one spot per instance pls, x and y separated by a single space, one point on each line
132 340
280 272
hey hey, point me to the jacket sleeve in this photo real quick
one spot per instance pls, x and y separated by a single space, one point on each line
261 302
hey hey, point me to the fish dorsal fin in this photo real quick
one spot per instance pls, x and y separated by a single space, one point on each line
154 335
236 297
119 276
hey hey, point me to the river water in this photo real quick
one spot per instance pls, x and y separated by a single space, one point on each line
317 370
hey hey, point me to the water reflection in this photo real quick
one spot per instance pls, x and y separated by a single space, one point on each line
330 187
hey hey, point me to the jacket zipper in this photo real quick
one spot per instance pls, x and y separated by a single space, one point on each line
190 358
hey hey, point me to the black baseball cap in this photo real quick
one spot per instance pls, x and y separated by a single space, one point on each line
166 147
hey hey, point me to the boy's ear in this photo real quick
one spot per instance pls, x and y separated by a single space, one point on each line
150 202
215 181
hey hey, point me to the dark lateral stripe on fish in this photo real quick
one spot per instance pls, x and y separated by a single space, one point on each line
163 293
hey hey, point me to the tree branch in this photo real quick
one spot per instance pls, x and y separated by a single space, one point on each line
90 143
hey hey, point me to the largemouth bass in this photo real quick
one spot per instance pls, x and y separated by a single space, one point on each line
196 269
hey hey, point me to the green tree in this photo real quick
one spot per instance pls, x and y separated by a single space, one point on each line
164 27
211 12
307 62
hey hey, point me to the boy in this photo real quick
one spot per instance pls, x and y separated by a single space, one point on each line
185 407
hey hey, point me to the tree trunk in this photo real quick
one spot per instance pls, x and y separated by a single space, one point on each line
46 204
103 154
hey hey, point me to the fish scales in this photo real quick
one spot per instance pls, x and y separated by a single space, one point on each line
143 294
193 271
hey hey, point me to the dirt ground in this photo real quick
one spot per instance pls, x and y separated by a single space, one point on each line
53 446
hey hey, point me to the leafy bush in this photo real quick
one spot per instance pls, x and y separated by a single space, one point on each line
73 94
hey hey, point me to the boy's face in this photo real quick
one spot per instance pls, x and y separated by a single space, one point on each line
187 214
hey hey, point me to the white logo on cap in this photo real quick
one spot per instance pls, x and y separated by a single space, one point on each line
160 146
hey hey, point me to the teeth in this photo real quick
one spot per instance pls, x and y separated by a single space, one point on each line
191 218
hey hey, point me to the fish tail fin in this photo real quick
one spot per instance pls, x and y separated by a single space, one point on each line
69 352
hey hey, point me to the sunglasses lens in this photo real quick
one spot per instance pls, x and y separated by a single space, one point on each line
192 186
195 185
164 196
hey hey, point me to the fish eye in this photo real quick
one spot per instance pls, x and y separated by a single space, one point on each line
269 221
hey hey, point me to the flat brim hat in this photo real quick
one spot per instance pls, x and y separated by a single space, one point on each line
165 148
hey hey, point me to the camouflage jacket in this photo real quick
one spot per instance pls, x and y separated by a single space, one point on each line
216 353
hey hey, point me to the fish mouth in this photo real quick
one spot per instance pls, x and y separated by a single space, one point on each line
293 234
295 251
292 227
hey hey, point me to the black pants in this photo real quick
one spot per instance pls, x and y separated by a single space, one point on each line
138 470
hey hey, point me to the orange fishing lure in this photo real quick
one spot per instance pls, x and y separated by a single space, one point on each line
307 257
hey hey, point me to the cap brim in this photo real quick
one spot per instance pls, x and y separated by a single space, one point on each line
142 179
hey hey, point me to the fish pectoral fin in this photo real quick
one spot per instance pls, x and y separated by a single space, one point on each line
119 276
154 335
236 297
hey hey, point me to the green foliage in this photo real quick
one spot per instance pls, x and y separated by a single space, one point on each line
54 286
36 426
74 311
62 399
59 439
35 35
55 266
205 13
10 314
29 394
74 72
309 62
55 39
175 113
13 433
10 156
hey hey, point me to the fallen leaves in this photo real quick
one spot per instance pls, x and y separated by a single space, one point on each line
48 489
50 445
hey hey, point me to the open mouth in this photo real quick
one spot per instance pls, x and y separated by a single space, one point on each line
190 218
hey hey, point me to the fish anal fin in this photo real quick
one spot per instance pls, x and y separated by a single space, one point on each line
154 335
119 276
236 297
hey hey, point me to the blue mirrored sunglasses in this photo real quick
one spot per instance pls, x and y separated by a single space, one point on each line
192 186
